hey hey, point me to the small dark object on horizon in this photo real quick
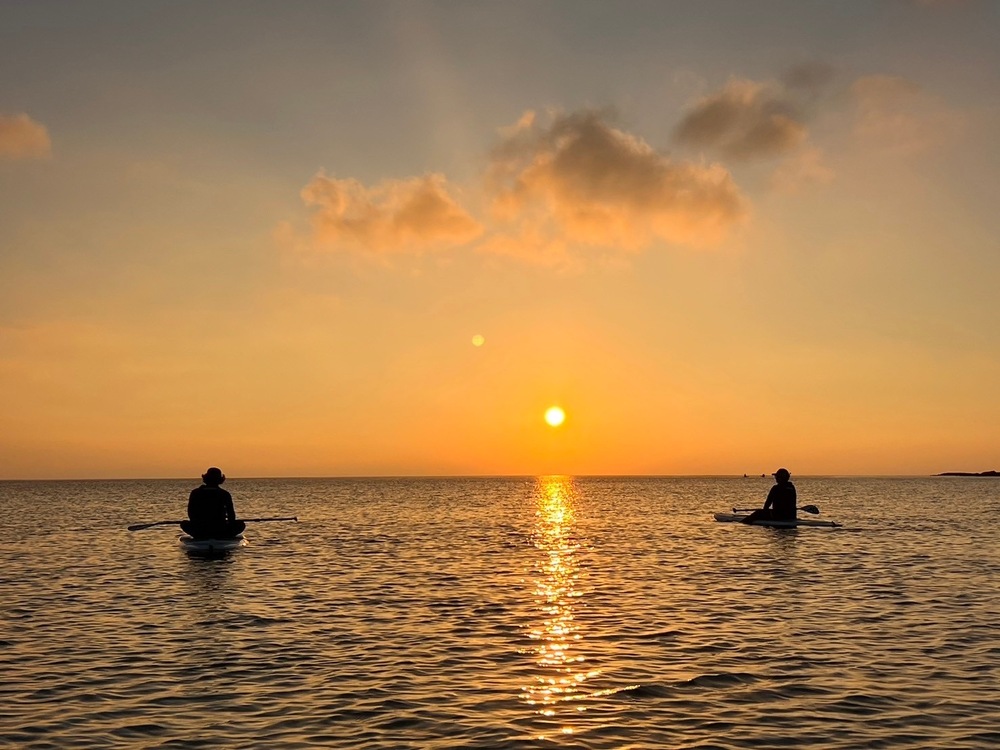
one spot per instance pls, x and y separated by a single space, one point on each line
969 474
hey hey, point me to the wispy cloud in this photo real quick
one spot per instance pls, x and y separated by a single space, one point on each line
810 78
806 167
396 216
23 138
745 120
899 116
767 121
576 179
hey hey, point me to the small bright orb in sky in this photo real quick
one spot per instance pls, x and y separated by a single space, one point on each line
555 416
478 340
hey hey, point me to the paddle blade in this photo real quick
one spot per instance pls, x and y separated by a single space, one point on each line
809 509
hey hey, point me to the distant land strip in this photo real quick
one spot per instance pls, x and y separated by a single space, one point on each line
969 474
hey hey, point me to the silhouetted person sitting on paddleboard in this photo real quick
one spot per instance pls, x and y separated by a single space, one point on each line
781 501
211 511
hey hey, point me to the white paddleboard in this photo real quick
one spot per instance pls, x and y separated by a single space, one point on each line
191 544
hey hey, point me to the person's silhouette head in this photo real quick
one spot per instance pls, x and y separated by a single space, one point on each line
213 477
782 475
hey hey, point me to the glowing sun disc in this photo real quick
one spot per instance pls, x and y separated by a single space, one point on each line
555 416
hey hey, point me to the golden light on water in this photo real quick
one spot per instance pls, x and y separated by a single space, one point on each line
555 416
556 636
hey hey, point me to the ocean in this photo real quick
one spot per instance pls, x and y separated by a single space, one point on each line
533 612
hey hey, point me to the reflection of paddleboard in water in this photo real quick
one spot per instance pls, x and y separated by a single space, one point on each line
191 544
737 517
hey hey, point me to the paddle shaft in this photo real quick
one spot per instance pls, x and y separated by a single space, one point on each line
140 526
277 518
804 508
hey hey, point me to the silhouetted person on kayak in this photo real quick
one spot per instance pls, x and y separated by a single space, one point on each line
781 501
211 511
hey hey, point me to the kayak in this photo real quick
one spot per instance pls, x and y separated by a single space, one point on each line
736 517
191 544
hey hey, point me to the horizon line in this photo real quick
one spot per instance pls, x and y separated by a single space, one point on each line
985 474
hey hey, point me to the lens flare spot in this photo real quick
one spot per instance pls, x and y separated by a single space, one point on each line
555 416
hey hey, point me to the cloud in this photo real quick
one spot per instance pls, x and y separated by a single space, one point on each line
23 138
898 116
558 193
804 168
748 120
579 181
809 77
396 216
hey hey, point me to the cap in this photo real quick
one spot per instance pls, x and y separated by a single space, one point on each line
781 474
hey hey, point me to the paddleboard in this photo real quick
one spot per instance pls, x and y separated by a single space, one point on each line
736 517
191 544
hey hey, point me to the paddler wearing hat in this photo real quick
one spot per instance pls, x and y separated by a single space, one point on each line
210 509
781 500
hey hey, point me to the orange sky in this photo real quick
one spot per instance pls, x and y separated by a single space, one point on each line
721 239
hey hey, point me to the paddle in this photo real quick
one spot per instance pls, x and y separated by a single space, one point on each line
812 509
140 526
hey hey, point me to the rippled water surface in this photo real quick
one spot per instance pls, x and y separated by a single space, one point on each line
503 613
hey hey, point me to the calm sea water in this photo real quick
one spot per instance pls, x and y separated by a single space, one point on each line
548 612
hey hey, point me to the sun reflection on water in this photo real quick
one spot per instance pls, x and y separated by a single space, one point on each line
556 635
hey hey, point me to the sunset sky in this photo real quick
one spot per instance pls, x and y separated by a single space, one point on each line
723 237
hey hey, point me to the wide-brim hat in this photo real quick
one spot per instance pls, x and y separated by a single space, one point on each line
214 475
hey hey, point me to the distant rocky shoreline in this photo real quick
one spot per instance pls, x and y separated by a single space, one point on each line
969 474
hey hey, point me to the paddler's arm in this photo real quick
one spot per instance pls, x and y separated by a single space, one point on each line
770 497
230 510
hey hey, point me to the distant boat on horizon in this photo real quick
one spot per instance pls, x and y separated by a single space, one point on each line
968 474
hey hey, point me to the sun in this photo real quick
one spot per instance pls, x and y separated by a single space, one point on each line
555 416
